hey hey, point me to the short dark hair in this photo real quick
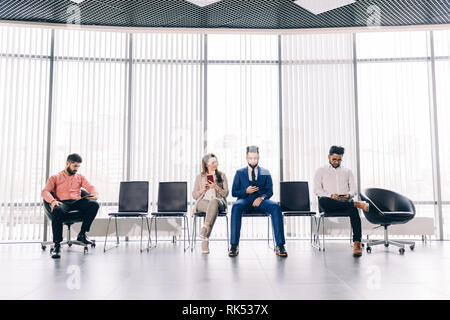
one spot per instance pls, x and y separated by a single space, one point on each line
252 149
74 157
337 150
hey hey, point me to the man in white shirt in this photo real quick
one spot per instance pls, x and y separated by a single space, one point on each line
335 186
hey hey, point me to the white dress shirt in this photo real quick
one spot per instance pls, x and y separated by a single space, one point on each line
328 181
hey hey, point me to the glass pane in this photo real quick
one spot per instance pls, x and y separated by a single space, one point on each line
403 44
242 47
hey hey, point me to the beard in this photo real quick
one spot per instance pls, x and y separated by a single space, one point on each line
70 171
335 166
253 167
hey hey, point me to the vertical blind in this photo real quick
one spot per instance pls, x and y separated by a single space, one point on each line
394 115
318 108
243 109
135 107
442 53
89 107
167 109
24 90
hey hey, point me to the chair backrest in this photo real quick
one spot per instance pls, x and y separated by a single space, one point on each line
172 197
294 196
133 196
389 201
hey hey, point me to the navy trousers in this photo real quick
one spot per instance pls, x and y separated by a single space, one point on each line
267 206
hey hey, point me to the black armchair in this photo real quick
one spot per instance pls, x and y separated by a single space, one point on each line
388 208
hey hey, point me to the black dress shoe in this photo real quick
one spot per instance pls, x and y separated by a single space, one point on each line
56 251
234 251
83 238
281 251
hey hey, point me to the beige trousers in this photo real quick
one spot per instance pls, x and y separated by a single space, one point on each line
211 207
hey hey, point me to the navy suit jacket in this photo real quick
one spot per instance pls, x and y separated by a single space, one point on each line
241 182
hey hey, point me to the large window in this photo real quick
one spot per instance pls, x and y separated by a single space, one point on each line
24 89
394 115
243 108
442 52
148 106
89 107
318 108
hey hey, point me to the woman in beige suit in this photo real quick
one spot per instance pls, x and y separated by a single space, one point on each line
210 192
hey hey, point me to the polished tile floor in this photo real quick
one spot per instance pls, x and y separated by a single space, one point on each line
166 272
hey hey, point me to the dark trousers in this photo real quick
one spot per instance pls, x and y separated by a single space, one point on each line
88 210
269 206
340 208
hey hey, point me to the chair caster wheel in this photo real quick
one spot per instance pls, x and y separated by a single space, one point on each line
69 244
362 245
93 245
85 250
401 250
412 247
43 248
369 249
386 245
51 250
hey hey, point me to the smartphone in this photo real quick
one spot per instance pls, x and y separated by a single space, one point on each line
342 195
210 178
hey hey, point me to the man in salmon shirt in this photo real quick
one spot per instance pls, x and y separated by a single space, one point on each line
63 193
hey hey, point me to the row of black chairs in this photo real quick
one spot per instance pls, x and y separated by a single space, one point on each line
387 208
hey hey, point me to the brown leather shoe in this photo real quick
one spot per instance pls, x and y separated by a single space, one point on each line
357 251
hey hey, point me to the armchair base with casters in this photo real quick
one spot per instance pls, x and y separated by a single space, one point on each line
388 208
69 242
203 215
386 242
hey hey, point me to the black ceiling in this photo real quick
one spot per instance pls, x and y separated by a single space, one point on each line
245 14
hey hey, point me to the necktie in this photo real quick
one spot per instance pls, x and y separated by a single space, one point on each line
253 174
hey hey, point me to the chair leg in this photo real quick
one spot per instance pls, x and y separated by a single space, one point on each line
156 231
228 235
323 233
193 234
117 232
142 227
186 227
149 242
106 235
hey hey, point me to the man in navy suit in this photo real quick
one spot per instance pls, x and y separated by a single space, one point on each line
253 187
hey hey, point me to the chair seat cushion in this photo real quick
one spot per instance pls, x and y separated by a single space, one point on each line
128 214
168 214
299 213
397 217
255 214
203 214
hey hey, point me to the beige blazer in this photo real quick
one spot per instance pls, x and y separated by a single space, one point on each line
221 194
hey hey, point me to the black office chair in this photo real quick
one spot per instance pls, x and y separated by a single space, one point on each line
203 215
294 201
69 222
387 208
329 214
133 203
172 203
